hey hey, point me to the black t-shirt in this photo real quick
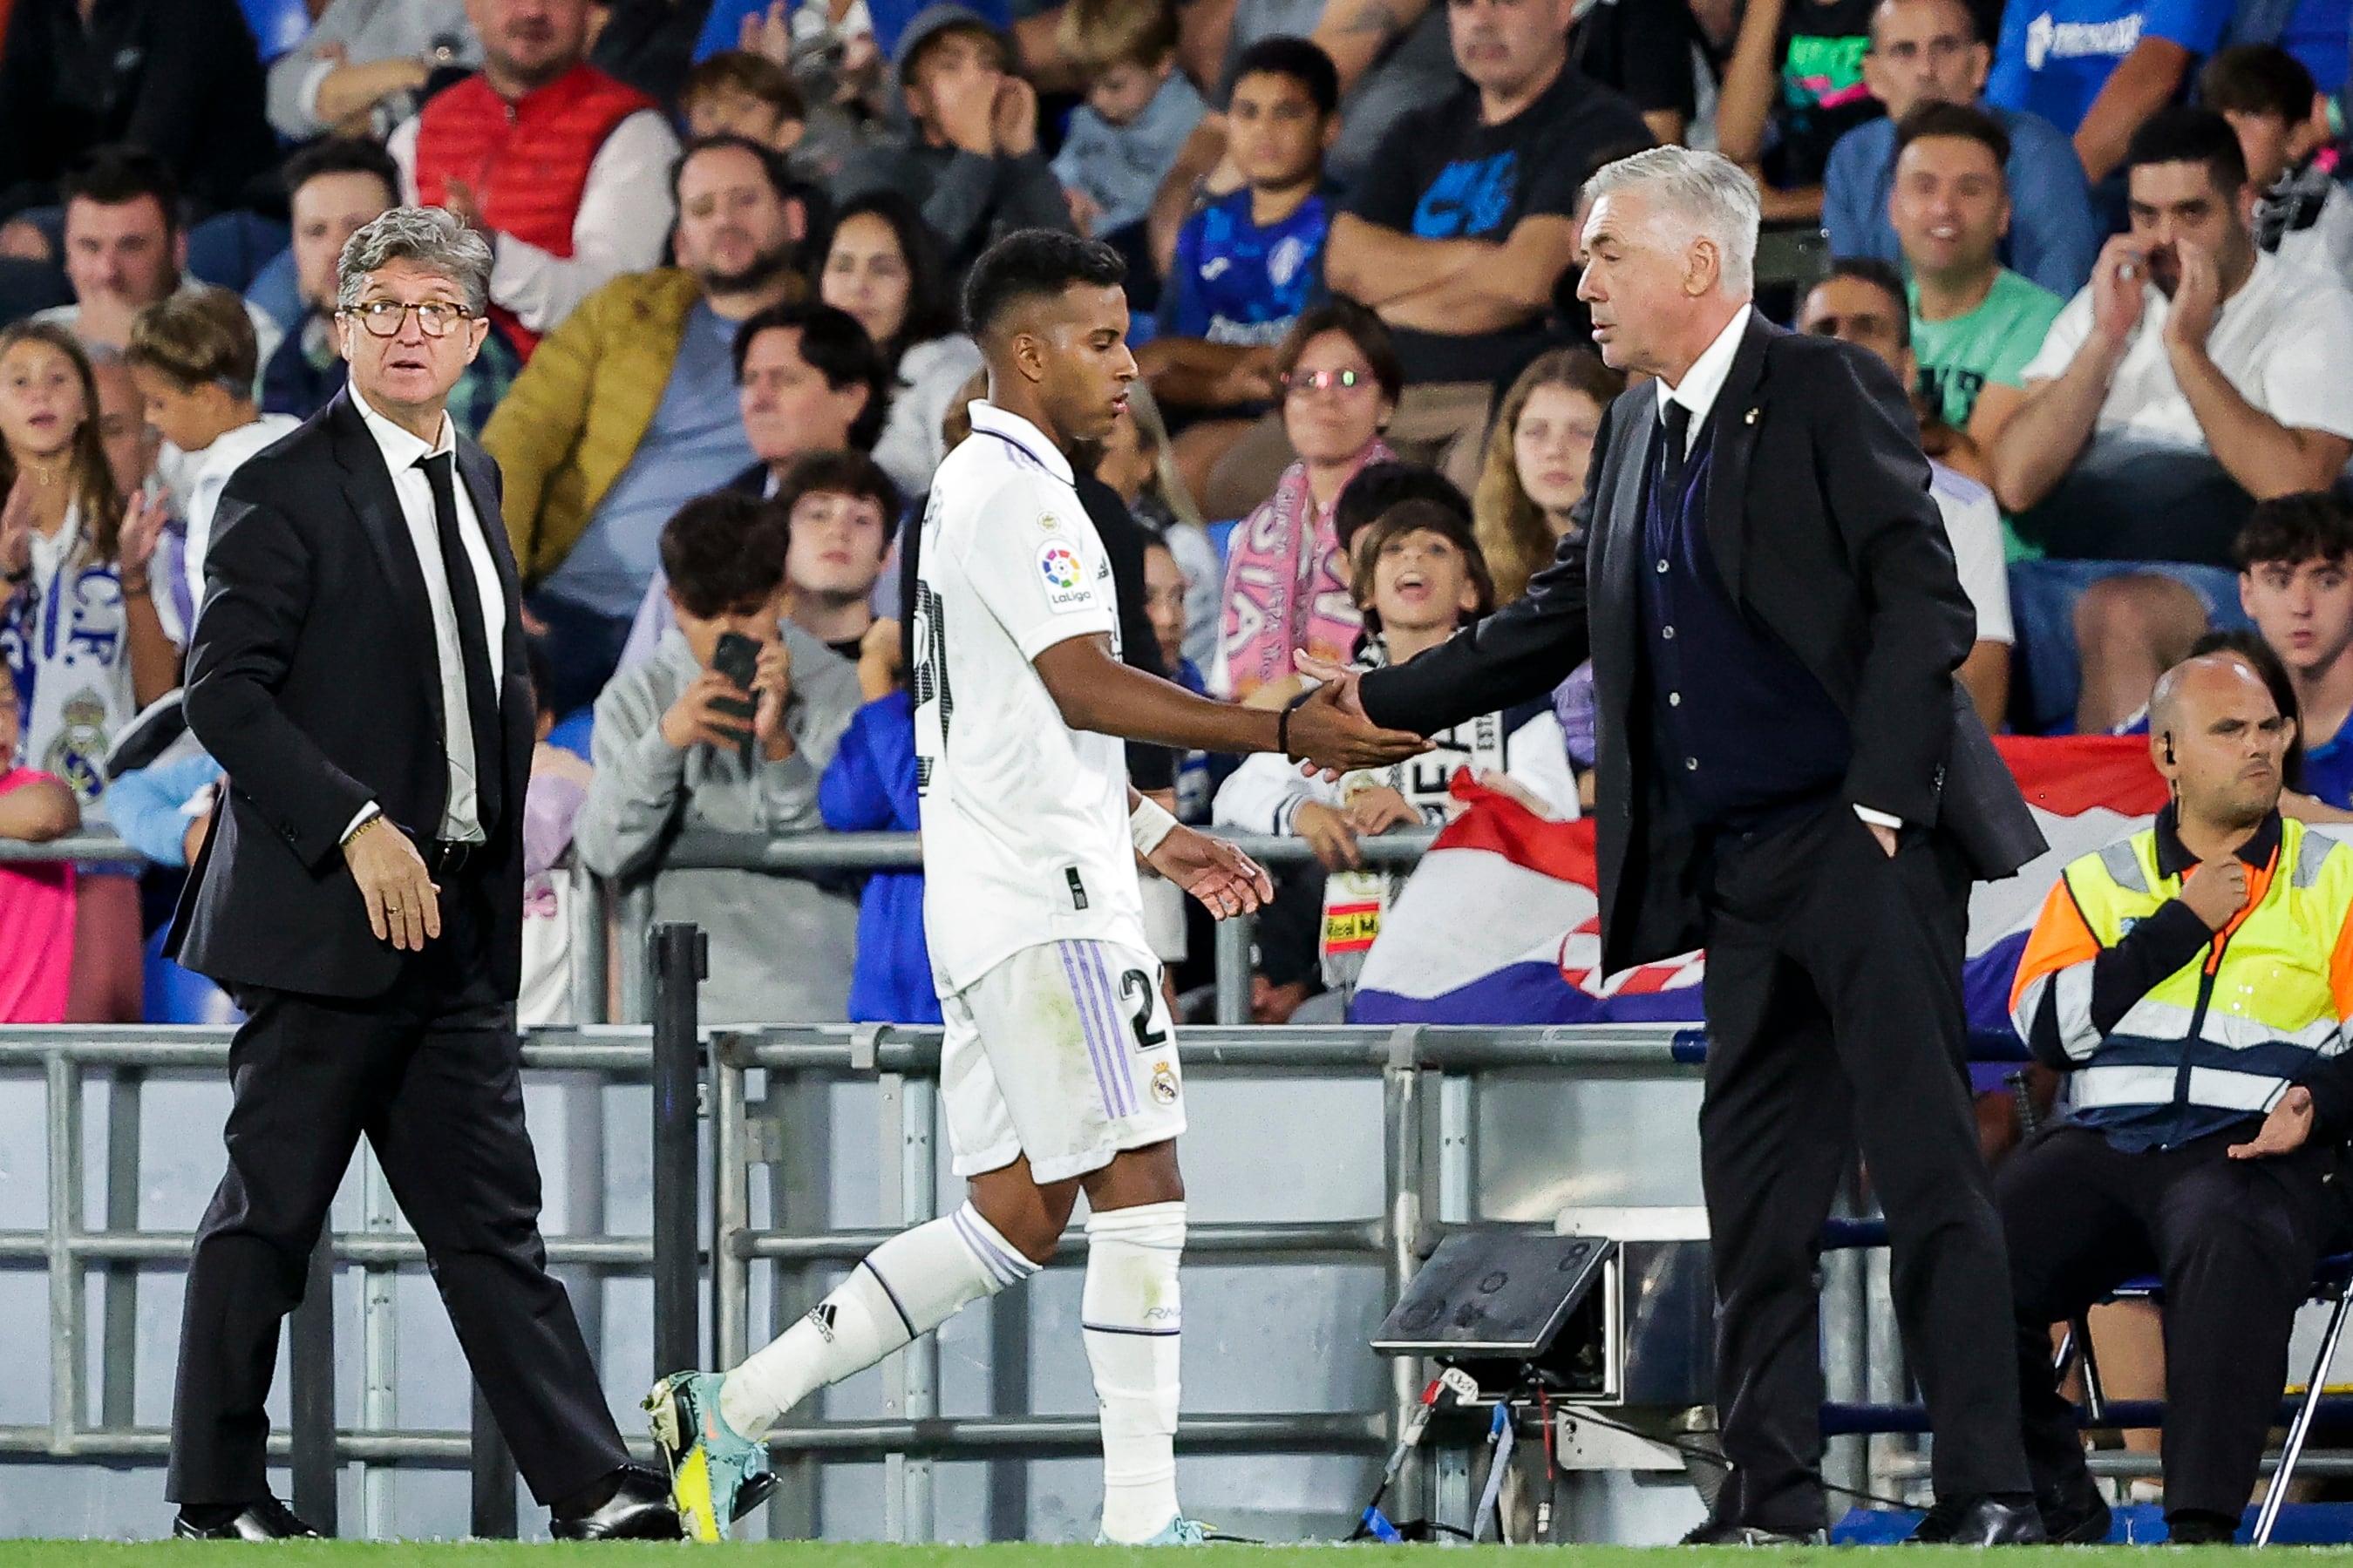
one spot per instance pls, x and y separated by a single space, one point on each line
1442 173
1820 96
1641 47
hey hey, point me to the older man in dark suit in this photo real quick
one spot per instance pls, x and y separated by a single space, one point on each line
358 670
1791 777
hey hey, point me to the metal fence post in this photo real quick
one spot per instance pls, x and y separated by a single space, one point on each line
64 1115
910 1378
681 957
1234 940
310 1368
731 1206
119 1360
1401 1143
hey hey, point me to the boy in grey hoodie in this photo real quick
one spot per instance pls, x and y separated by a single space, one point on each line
671 758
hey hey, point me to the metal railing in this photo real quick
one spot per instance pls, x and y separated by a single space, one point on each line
845 852
762 1091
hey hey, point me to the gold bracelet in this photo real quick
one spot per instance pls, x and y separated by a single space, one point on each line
353 837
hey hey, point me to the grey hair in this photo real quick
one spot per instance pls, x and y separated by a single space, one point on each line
429 237
1701 195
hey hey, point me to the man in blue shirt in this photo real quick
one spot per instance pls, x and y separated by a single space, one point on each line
1925 51
2096 68
1248 263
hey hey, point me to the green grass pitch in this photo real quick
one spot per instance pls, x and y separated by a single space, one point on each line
798 1554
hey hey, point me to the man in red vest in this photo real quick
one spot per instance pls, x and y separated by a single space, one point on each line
565 169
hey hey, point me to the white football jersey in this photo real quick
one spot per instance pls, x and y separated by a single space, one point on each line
1025 819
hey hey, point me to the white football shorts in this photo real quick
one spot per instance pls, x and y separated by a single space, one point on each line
1065 1052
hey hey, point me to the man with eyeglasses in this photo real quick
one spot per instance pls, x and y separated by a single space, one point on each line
358 671
1928 51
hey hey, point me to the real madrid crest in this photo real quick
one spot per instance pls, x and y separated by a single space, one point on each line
1163 1084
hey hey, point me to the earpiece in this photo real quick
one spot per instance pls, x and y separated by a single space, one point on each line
2168 749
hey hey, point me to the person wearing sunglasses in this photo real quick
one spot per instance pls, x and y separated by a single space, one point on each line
358 672
1286 578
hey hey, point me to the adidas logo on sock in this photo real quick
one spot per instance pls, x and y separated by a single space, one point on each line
822 1316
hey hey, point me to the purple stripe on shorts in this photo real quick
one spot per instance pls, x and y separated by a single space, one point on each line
1117 1028
1071 972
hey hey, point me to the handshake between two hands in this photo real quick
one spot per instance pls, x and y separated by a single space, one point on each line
1329 732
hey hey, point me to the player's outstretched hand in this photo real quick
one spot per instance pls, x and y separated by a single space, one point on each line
1226 881
1330 733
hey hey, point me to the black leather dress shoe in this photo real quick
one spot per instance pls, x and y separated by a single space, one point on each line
1983 1522
2190 1528
268 1520
639 1510
2079 1517
1717 1533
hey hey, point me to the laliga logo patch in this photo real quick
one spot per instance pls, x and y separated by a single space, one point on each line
1065 577
1163 1084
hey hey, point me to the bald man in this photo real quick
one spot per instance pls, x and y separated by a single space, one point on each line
2192 980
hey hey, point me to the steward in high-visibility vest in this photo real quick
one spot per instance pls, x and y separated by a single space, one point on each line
2192 982
2171 1030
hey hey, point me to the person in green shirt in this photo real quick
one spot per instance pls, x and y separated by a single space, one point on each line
1975 323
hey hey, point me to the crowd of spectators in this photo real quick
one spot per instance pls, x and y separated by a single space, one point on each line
2107 245
2103 242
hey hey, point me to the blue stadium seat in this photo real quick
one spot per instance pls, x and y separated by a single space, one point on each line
2332 1282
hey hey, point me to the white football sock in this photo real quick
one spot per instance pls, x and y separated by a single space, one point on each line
1132 1319
907 1286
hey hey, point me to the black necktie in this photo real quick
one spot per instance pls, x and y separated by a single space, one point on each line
473 642
1675 438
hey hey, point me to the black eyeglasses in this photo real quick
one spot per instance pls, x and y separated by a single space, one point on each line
381 318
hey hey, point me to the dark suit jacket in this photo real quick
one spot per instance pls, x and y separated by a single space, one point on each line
312 680
1821 526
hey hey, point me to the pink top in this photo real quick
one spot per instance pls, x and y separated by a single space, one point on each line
37 930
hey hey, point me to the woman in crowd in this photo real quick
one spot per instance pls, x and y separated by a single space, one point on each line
84 647
1287 584
884 268
1537 457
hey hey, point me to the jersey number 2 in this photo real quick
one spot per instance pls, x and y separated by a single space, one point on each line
1137 987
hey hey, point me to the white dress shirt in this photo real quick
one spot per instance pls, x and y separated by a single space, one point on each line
1697 392
622 225
462 817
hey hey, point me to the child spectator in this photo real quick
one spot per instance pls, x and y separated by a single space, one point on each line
192 354
1538 457
1165 589
739 93
1286 580
674 751
36 901
1248 263
1418 577
870 787
1380 486
1536 460
2282 118
1138 113
883 267
79 631
552 803
972 161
